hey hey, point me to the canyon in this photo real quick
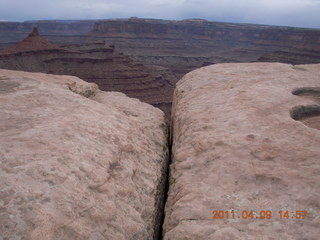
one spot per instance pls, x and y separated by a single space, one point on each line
95 62
180 46
185 45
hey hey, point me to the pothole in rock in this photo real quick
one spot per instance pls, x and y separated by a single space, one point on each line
308 115
310 92
87 92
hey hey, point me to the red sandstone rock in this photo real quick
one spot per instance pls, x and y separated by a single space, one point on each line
76 162
246 137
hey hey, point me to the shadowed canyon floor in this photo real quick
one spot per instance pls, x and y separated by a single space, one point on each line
79 163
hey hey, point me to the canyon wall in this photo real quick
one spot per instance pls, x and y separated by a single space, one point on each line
78 163
205 30
186 45
245 146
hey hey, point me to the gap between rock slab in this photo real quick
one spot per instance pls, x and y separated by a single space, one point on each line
165 184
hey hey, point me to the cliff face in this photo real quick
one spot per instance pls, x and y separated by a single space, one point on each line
76 162
246 140
292 57
205 30
185 45
94 62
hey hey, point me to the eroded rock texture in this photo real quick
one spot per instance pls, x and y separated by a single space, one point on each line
237 147
76 162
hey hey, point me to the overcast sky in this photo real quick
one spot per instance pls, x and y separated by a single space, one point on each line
299 13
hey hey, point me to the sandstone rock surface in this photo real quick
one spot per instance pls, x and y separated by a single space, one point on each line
246 137
76 162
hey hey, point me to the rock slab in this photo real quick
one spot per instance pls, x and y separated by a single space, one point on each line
76 162
246 139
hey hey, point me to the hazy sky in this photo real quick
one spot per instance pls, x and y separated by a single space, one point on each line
300 13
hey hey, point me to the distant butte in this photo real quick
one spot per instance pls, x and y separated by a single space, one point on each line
34 42
34 32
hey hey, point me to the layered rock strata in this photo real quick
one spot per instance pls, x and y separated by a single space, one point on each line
246 145
186 45
76 162
292 57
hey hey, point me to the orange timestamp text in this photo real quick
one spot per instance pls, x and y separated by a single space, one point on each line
263 214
